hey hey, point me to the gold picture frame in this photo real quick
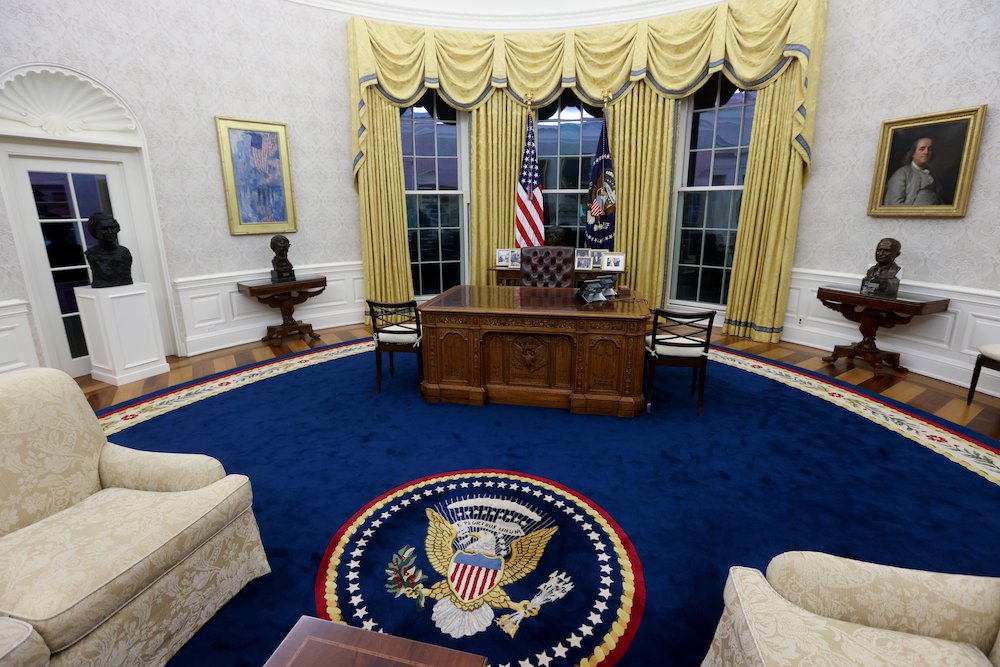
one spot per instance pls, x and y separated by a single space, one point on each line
937 188
256 175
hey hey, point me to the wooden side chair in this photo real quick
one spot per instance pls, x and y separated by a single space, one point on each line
989 356
395 328
679 338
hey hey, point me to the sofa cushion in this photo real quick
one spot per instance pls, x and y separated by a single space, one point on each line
50 447
20 645
68 573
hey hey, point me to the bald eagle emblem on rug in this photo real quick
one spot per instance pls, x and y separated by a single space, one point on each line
497 563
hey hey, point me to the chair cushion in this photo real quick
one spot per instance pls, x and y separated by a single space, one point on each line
676 350
991 351
69 572
20 645
399 334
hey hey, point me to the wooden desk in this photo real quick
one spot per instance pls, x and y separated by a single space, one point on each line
285 296
315 642
534 346
874 312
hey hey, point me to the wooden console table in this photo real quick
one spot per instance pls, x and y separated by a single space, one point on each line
874 312
314 642
534 346
285 296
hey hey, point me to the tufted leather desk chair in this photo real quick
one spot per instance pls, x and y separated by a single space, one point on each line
548 266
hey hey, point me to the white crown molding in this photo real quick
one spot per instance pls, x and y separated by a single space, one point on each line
516 15
56 101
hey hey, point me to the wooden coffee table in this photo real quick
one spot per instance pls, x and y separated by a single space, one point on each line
314 641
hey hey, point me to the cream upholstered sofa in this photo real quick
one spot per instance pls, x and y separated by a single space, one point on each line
108 555
818 609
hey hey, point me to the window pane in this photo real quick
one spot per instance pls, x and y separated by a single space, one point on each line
569 173
691 246
727 133
451 244
409 178
429 215
429 245
425 174
741 174
547 170
411 239
62 243
725 287
734 213
450 211
699 168
702 129
415 276
747 126
730 248
423 138
715 249
569 138
74 334
547 138
736 99
51 193
549 207
447 139
411 211
687 283
569 210
92 194
451 275
724 168
718 208
406 132
430 278
421 111
447 174
693 209
711 286
591 133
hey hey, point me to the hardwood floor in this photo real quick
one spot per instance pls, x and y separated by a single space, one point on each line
939 398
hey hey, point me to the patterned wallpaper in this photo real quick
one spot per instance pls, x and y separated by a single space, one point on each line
178 64
893 59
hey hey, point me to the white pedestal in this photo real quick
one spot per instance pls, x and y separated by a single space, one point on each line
122 332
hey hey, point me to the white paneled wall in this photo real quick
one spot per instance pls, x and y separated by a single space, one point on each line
215 315
17 349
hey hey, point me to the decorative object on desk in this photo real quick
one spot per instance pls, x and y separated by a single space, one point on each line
932 482
257 176
881 280
583 262
282 270
464 568
591 291
613 261
925 164
515 258
597 258
110 263
503 257
608 286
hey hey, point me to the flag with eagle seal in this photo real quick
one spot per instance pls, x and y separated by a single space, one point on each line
603 196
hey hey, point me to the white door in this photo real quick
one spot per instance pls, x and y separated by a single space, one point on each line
55 194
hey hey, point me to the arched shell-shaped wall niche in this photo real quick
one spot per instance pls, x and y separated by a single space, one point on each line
61 102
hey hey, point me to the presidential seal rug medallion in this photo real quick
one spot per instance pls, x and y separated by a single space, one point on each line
499 563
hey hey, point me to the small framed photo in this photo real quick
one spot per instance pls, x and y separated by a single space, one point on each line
924 165
613 261
515 258
583 262
596 257
256 175
503 258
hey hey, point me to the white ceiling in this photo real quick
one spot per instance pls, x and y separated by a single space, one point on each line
507 14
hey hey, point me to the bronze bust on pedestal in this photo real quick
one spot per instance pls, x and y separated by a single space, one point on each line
881 280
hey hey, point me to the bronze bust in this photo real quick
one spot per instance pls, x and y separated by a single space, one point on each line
880 279
110 263
282 269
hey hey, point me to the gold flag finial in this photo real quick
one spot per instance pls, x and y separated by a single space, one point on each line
606 95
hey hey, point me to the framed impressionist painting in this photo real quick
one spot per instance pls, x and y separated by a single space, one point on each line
924 165
257 176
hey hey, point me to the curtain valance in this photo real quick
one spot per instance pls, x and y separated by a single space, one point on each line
750 41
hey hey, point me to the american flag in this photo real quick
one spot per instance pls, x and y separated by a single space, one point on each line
529 224
262 146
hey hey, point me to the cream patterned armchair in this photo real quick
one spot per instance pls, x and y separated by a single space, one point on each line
108 555
817 609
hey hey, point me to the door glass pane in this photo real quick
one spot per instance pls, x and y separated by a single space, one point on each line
92 194
52 195
62 244
64 281
74 334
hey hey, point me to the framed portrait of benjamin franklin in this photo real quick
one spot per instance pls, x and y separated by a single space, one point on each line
256 175
925 164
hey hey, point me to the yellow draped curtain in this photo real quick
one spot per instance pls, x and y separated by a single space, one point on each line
752 42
